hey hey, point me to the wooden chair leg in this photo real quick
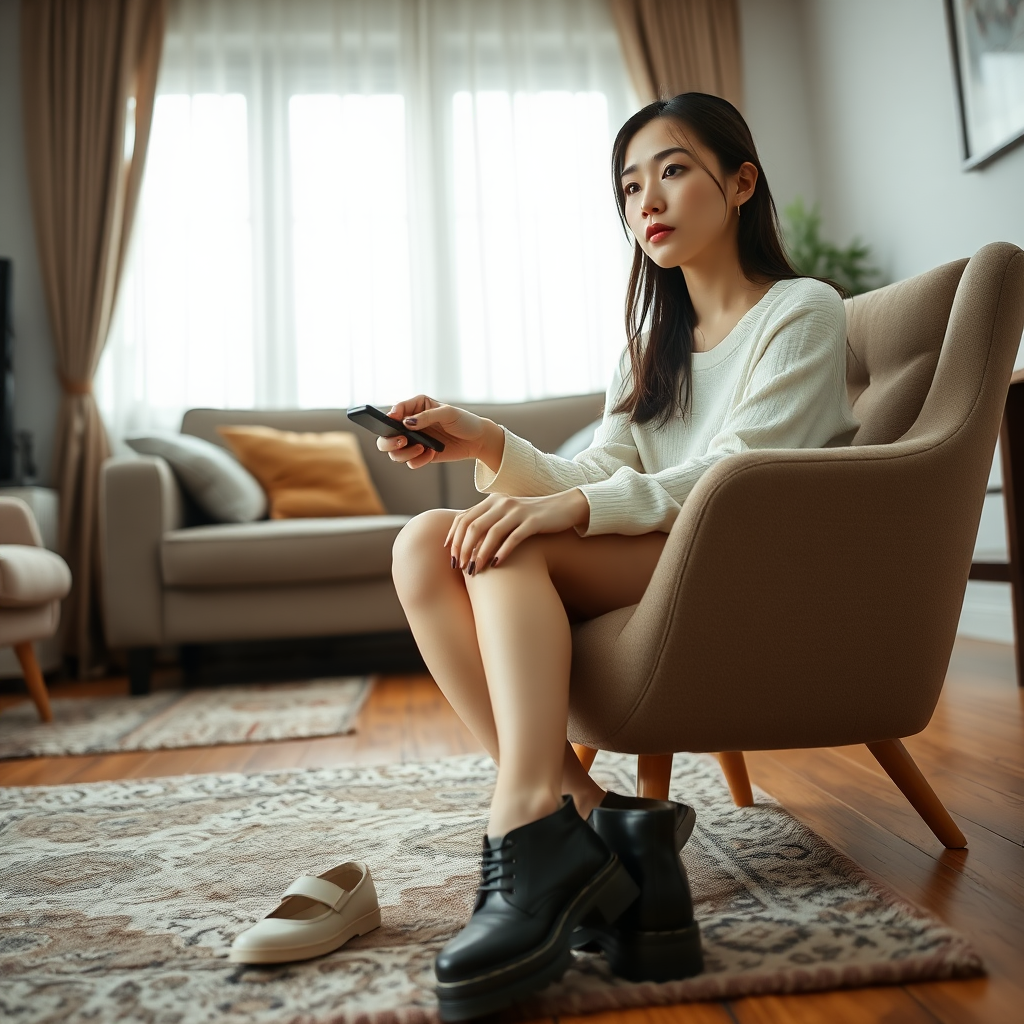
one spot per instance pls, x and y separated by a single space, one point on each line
585 754
734 767
903 770
34 680
653 774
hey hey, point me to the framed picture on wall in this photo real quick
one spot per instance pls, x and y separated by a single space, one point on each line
987 42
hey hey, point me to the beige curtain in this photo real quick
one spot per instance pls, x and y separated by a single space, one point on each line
674 46
88 73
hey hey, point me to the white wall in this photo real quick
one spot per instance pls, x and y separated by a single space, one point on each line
885 132
37 393
776 104
884 121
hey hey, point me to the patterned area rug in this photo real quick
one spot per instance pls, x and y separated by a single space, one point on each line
185 718
118 901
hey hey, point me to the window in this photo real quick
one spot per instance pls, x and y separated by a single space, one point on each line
355 200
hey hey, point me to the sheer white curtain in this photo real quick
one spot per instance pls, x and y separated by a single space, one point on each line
352 201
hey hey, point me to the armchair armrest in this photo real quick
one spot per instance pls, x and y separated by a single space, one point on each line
31 576
827 580
17 524
139 502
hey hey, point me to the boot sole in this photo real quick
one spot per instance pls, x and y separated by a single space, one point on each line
651 956
607 895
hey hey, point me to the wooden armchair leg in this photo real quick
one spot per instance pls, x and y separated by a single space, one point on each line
34 680
734 767
585 754
653 774
903 770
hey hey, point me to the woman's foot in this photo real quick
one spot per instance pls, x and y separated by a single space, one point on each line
539 883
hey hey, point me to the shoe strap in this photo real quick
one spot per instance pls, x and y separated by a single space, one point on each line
319 889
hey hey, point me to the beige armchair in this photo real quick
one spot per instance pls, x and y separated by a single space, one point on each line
32 583
811 598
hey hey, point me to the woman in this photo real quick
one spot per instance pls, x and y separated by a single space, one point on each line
728 349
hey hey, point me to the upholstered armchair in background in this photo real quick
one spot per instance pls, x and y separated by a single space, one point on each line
33 581
811 598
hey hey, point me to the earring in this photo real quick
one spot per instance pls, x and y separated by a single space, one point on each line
738 210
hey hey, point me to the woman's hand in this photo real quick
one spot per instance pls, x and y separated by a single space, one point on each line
465 435
486 534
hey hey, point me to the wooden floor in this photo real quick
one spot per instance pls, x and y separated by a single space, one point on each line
972 752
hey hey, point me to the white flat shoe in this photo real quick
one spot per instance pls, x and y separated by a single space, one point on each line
315 916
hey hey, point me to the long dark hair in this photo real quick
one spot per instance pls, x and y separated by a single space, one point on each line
657 297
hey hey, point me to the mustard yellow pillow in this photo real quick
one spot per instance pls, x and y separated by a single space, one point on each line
306 475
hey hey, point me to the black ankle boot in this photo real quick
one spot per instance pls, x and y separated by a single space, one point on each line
539 883
656 938
685 816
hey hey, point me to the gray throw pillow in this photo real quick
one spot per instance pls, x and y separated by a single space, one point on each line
579 442
220 485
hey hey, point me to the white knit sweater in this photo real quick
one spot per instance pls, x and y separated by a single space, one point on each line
777 380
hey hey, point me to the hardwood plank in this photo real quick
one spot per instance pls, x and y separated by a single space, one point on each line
435 730
972 1001
683 1013
933 882
980 800
991 860
49 771
891 1004
269 757
23 772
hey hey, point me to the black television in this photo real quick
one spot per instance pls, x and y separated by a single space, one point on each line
7 468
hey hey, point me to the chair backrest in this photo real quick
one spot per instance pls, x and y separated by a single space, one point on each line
895 336
846 566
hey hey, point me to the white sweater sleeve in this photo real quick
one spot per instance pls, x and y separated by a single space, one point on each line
526 471
793 397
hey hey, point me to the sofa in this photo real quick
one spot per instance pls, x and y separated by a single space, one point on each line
168 578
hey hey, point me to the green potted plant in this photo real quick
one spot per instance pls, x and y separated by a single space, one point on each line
814 257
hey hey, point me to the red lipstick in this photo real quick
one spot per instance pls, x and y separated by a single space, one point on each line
658 232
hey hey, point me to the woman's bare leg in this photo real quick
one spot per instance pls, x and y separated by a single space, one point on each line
515 615
526 648
441 617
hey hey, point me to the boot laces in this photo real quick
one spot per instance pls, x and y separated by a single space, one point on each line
497 872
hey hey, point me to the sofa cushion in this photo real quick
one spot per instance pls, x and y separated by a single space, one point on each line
223 488
280 551
316 474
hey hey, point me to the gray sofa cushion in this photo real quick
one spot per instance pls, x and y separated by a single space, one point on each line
280 551
222 487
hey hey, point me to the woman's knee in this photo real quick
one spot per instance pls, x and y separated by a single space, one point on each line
418 557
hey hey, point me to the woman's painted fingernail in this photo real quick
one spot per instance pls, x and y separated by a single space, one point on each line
472 568
411 420
494 561
454 563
